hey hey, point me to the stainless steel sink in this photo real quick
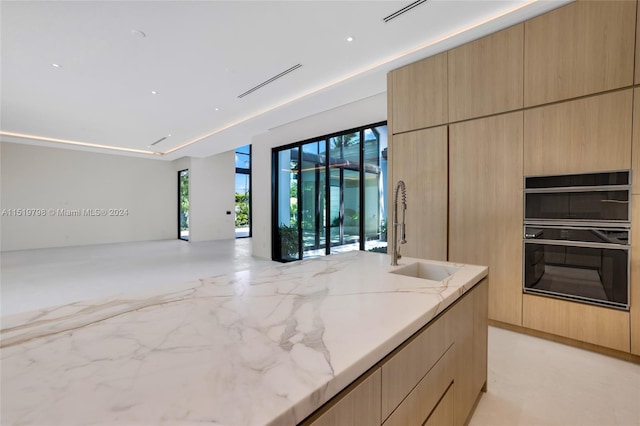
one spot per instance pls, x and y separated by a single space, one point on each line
426 271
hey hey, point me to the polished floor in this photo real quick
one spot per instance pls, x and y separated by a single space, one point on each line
31 279
531 381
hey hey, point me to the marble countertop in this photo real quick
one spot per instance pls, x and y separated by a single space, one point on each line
250 348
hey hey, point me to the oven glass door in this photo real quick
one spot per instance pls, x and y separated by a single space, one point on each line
595 271
596 205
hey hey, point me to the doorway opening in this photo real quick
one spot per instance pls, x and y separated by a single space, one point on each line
183 205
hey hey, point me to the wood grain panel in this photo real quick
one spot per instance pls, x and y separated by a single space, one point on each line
422 400
587 323
590 134
420 94
485 213
635 147
637 67
635 276
411 362
358 405
444 412
486 75
582 48
419 158
470 325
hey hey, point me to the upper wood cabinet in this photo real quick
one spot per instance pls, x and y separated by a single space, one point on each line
637 74
585 135
485 206
418 94
485 76
582 48
635 149
419 158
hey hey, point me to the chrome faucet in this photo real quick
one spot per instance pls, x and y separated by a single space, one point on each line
394 230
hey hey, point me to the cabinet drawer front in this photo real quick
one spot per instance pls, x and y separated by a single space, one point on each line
358 405
412 361
443 413
422 400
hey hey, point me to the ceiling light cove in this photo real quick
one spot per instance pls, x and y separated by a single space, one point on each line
78 143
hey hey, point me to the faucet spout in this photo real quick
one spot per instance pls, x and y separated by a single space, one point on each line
402 238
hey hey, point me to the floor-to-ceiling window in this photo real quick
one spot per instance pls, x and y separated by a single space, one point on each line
183 205
243 191
330 194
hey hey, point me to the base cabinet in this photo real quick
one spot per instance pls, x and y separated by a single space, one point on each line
434 378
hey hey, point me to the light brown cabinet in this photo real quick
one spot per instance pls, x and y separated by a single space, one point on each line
584 135
592 324
635 148
435 376
579 49
485 213
485 76
420 159
635 276
358 405
636 79
418 95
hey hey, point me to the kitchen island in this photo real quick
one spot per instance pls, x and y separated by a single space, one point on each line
250 348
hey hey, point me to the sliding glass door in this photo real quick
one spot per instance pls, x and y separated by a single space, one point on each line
329 195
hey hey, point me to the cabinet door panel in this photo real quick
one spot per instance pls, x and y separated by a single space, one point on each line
418 96
591 134
579 49
485 76
635 149
586 323
485 213
420 159
469 317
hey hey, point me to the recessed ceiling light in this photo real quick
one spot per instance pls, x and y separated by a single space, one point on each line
138 33
350 38
154 92
56 65
217 109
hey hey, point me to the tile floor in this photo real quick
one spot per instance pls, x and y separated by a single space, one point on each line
531 381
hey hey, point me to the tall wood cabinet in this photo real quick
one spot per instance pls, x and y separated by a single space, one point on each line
583 135
485 76
419 94
635 149
582 48
419 158
485 213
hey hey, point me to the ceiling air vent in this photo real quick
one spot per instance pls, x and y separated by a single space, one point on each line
403 10
271 80
158 141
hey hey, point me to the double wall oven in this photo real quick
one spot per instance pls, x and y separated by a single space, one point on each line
577 231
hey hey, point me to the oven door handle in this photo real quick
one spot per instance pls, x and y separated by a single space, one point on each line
578 244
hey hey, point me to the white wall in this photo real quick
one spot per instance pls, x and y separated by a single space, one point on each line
356 114
211 195
34 177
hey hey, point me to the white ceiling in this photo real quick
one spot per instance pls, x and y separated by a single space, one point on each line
200 55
